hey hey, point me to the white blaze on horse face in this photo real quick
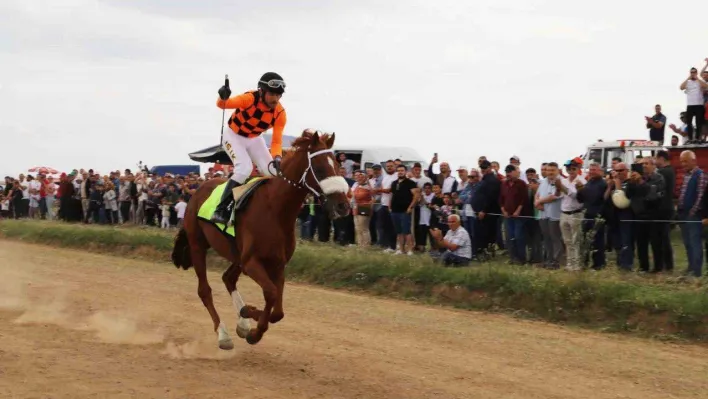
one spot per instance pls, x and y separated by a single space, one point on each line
331 163
334 184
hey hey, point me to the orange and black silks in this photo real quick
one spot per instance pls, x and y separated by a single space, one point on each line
252 117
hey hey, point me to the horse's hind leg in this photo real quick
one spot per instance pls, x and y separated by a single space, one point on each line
230 277
204 291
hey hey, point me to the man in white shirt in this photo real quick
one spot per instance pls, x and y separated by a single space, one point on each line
695 106
180 208
383 219
457 243
571 217
33 188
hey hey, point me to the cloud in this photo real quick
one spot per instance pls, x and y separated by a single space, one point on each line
104 84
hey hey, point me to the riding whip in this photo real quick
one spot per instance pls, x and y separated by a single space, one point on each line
223 112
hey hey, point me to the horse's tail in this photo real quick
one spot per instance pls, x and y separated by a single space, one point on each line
180 253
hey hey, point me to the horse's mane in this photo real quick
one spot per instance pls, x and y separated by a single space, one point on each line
303 142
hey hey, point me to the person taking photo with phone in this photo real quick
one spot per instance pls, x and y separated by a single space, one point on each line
694 86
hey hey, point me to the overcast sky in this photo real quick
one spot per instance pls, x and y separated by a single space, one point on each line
105 84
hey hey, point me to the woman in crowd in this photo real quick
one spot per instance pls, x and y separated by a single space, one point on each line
363 206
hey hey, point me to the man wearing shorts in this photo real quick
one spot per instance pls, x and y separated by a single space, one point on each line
404 195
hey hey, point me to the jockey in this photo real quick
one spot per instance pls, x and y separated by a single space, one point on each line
254 113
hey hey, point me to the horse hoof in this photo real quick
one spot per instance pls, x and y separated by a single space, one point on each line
242 328
274 318
243 312
252 338
226 344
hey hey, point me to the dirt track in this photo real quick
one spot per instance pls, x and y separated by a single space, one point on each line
82 325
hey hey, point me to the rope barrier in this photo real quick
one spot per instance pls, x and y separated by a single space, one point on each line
462 213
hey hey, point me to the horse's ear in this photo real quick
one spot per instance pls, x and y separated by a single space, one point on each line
315 139
330 141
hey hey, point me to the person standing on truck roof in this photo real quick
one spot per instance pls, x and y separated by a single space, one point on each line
656 125
254 112
694 86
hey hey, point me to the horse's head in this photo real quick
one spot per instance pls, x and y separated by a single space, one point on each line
312 165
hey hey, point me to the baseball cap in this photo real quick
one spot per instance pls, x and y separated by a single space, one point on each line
515 158
463 167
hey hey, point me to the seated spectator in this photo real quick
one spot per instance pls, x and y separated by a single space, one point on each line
456 243
681 132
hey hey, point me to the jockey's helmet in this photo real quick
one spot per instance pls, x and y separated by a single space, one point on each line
272 82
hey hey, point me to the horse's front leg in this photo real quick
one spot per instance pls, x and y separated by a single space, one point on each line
279 281
230 278
257 272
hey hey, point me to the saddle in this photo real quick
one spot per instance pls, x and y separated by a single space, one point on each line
242 195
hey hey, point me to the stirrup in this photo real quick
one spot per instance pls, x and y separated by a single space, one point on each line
221 216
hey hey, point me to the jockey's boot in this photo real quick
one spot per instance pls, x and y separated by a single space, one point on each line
221 214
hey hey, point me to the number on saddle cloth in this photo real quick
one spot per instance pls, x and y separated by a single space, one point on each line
242 194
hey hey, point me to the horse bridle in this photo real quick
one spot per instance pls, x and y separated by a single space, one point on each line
302 183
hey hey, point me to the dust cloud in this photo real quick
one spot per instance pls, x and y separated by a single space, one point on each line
49 304
42 302
199 349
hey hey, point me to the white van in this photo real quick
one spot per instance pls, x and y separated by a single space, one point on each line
368 156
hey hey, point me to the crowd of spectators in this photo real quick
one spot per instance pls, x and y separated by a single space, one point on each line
551 217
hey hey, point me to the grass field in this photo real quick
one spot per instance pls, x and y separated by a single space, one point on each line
663 306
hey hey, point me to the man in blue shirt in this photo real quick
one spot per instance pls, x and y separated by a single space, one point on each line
547 201
690 204
656 125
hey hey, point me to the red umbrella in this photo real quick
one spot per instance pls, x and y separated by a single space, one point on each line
44 170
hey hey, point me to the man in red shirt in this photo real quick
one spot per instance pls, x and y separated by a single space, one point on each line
514 205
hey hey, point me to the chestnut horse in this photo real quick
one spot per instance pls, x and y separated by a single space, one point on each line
264 229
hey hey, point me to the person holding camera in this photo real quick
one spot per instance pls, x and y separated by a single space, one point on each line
694 86
647 189
622 214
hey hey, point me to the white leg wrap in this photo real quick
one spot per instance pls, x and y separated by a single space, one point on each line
225 341
237 301
244 325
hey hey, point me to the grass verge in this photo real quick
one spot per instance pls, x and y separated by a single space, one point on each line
607 300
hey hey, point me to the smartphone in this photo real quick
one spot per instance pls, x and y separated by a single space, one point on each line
637 167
